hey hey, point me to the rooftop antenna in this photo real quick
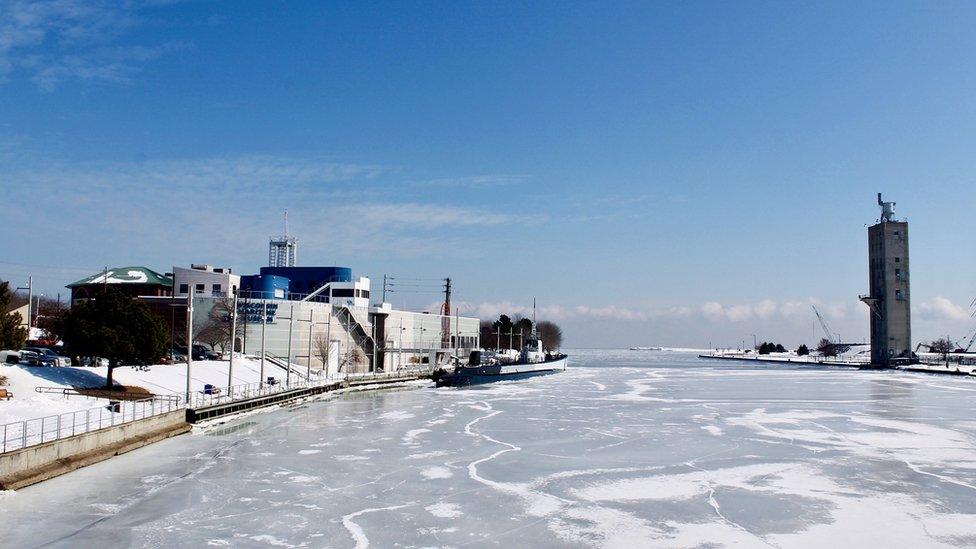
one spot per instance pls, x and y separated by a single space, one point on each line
286 218
887 209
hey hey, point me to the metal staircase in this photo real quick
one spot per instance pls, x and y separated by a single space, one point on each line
356 329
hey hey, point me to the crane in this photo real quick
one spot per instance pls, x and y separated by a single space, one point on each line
823 324
970 344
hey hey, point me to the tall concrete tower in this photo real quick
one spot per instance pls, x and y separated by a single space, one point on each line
889 297
283 250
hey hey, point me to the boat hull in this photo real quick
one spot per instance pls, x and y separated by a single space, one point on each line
502 372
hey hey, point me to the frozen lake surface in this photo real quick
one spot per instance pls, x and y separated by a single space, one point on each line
627 449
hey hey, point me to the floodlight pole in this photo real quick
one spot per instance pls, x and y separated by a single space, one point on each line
189 343
308 375
264 323
233 340
291 322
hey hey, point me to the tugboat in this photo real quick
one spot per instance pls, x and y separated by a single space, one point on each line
482 367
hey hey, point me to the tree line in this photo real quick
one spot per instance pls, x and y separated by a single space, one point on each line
512 331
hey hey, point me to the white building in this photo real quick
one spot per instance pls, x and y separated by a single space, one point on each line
204 280
350 294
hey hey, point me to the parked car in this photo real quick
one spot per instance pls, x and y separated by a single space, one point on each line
30 358
47 357
201 352
9 357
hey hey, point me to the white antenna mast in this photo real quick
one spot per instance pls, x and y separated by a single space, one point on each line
286 223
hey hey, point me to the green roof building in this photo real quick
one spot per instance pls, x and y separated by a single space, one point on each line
131 281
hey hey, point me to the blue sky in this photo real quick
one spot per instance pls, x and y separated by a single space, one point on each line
654 173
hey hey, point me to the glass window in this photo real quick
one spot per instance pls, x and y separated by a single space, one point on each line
216 288
199 288
897 260
184 288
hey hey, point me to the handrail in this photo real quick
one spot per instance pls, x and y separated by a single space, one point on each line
31 432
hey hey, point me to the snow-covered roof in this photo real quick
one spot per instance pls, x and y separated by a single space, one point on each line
125 275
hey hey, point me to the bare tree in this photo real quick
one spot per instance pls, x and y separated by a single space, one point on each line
551 334
826 347
942 346
213 332
323 349
354 357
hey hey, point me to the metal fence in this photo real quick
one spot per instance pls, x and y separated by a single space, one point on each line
224 395
31 432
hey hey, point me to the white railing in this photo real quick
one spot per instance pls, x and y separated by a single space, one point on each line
224 395
31 432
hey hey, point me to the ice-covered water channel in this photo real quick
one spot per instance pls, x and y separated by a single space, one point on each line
626 449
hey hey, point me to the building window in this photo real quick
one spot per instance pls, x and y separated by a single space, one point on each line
216 289
898 295
199 288
366 293
897 260
343 292
359 293
184 288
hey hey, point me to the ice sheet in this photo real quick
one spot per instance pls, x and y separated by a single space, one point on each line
624 449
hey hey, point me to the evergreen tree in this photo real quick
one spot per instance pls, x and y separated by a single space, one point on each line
12 334
802 350
118 328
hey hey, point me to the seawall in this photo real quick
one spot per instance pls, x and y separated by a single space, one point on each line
37 463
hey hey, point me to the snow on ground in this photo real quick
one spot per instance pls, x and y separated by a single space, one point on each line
163 379
29 404
171 378
622 450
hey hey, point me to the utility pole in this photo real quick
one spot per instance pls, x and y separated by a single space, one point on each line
384 288
264 323
189 343
233 341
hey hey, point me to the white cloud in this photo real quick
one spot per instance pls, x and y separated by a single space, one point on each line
711 311
941 308
55 40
